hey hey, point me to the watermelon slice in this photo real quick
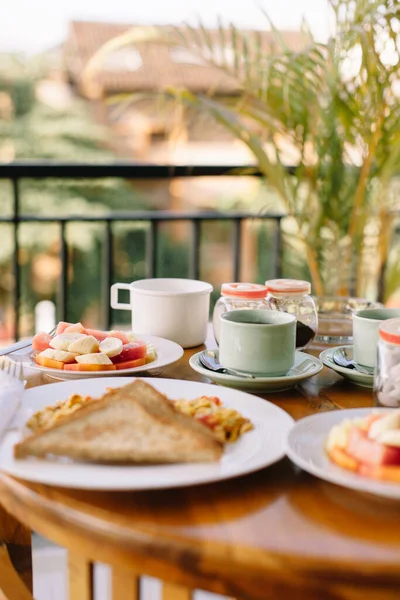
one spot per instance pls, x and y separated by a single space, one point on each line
370 452
98 334
75 328
41 341
130 352
61 327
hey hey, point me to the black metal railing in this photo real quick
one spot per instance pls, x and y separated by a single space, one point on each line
17 171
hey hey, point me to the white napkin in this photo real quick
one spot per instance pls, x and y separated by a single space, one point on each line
11 391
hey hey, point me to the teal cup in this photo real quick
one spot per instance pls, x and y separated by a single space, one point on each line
259 342
366 333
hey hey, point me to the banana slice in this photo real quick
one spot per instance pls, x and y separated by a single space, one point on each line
62 341
60 355
151 353
48 353
96 358
385 423
111 346
85 345
391 437
65 357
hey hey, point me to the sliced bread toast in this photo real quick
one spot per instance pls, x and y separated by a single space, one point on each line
132 424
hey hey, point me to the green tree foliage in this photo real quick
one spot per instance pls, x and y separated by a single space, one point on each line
38 130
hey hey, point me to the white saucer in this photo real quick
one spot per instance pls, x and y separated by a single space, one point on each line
305 366
351 374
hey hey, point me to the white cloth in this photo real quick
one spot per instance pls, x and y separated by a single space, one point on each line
11 391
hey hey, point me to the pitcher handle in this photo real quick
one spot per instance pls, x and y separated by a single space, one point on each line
114 296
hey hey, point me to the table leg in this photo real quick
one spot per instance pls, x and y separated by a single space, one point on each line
80 577
15 538
11 586
171 591
125 585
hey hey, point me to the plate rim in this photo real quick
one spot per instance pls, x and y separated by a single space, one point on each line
339 476
65 376
260 380
34 475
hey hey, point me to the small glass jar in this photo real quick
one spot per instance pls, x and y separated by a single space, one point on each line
238 296
387 370
293 296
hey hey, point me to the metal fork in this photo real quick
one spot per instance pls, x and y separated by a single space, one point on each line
21 345
14 369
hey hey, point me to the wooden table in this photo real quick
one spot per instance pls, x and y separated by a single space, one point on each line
278 533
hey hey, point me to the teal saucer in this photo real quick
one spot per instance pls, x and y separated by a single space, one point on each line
305 366
351 374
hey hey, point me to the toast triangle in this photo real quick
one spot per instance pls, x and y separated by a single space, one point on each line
132 424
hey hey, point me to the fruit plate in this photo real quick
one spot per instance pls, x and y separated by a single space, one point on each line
256 449
167 353
306 448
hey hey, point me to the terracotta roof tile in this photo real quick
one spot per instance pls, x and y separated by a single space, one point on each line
158 67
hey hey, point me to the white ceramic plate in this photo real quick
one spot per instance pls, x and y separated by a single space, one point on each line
305 447
256 449
351 374
305 366
167 353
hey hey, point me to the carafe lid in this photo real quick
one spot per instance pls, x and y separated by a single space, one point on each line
288 286
244 290
389 331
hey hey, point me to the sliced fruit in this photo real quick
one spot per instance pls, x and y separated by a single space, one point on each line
49 363
48 353
96 358
371 452
63 341
111 346
383 473
387 422
341 458
86 367
130 364
132 351
59 355
391 437
150 356
65 357
75 328
98 334
61 327
85 345
120 335
41 341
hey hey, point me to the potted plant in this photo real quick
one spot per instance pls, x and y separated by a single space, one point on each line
331 111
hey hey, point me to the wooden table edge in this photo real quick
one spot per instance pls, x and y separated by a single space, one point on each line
152 549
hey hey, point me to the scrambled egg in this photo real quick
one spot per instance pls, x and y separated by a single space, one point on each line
227 424
51 414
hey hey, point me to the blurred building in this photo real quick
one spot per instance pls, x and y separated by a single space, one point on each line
149 129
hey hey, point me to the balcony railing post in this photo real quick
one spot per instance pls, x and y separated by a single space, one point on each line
237 244
195 249
278 248
108 269
151 249
16 266
63 285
